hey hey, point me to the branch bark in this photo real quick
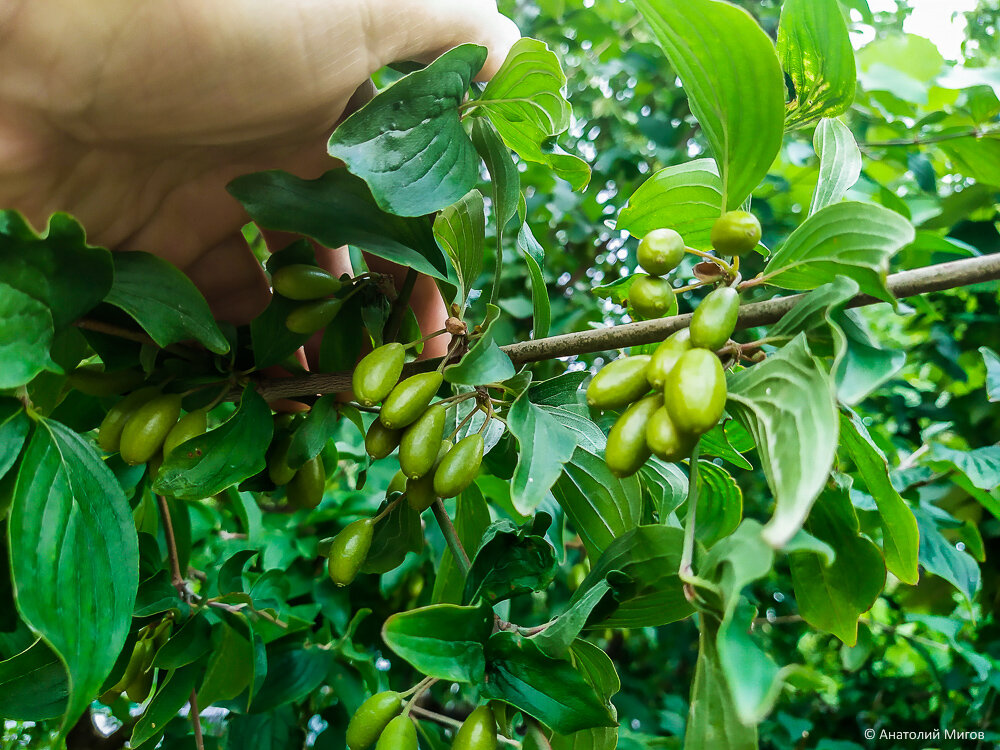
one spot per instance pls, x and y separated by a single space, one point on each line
903 284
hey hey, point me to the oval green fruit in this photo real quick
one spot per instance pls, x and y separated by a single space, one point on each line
277 462
660 251
189 426
626 450
421 441
380 441
651 296
138 690
665 440
305 490
420 493
377 373
304 282
666 356
349 550
478 731
399 734
94 381
460 467
714 320
109 434
136 664
312 316
735 233
147 428
619 383
409 399
695 393
371 719
396 484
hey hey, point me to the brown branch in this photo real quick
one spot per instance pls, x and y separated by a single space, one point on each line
176 578
199 740
904 284
918 140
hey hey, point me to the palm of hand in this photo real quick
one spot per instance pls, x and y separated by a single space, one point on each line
140 112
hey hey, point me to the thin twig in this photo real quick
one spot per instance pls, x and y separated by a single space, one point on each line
199 740
451 536
176 578
399 305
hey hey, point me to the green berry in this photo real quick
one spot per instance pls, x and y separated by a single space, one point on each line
380 441
377 373
666 356
735 233
665 440
349 550
478 731
303 282
460 467
312 316
619 383
371 719
626 450
418 448
147 428
109 434
189 426
400 734
410 399
306 488
714 320
651 296
695 392
660 251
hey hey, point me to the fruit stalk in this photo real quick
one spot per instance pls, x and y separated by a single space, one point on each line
451 536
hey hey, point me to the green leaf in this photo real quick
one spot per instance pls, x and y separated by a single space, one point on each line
716 442
978 158
598 669
981 466
720 54
443 640
845 239
230 666
460 230
900 536
545 446
471 517
235 450
942 558
992 373
831 596
526 102
720 504
74 558
312 435
556 639
25 338
56 268
170 698
293 672
815 308
817 57
786 402
642 567
839 162
408 142
510 561
484 363
33 685
341 347
686 197
600 506
338 209
534 257
277 730
550 690
14 426
860 364
505 182
191 641
396 534
163 301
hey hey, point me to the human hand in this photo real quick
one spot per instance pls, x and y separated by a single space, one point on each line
133 115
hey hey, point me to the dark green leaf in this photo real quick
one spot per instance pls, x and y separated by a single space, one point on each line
293 672
277 730
168 700
191 641
460 230
33 685
551 690
484 363
545 446
74 557
471 517
25 338
556 639
163 301
818 58
944 559
395 535
720 504
223 457
442 640
720 53
342 343
230 667
272 341
408 142
509 561
338 209
314 432
14 426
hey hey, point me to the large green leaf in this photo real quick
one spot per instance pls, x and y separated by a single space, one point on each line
686 197
293 672
556 639
642 567
730 72
860 363
545 446
978 158
338 209
992 361
313 434
526 102
14 426
56 268
534 256
510 560
408 142
844 239
818 59
839 162
787 403
235 450
74 557
981 465
33 685
277 730
598 669
443 640
942 558
163 301
720 504
460 230
551 690
831 596
900 536
25 338
170 698
600 506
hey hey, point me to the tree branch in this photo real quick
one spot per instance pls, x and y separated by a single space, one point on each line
904 284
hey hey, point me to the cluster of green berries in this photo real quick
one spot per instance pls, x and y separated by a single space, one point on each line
316 289
673 396
431 467
137 680
305 485
380 721
146 425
